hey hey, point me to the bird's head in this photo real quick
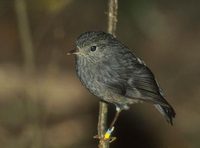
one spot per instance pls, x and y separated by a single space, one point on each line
94 45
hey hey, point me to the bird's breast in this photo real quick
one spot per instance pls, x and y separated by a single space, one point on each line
88 75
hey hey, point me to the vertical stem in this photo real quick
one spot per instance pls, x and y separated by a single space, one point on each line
25 35
103 107
29 66
112 16
103 111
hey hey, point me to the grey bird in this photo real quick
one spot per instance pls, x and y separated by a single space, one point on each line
112 72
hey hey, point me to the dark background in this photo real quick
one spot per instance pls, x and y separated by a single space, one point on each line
43 104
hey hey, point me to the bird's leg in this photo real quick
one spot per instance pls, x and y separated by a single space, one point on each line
107 135
118 110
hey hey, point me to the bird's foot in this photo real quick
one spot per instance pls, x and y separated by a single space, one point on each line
107 136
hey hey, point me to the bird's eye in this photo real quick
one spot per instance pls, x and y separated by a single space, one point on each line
93 48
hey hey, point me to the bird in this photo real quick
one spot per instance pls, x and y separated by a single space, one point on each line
112 72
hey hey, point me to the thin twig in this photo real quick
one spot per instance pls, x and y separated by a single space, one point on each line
112 16
103 111
25 35
27 48
103 108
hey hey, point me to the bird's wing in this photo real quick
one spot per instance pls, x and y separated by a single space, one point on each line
114 72
142 84
127 75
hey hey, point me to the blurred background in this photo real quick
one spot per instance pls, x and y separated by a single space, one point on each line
42 102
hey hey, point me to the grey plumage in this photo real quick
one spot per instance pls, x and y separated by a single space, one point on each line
112 72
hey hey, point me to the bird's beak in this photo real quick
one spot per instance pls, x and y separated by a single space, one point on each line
73 51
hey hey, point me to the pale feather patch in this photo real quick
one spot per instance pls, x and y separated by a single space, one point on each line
141 61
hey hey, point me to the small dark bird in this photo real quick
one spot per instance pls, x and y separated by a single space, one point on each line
112 72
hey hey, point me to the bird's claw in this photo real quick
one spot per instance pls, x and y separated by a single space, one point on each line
107 136
110 139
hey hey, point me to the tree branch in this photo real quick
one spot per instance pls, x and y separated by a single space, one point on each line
103 107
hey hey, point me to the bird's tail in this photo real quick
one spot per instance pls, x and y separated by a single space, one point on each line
167 111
